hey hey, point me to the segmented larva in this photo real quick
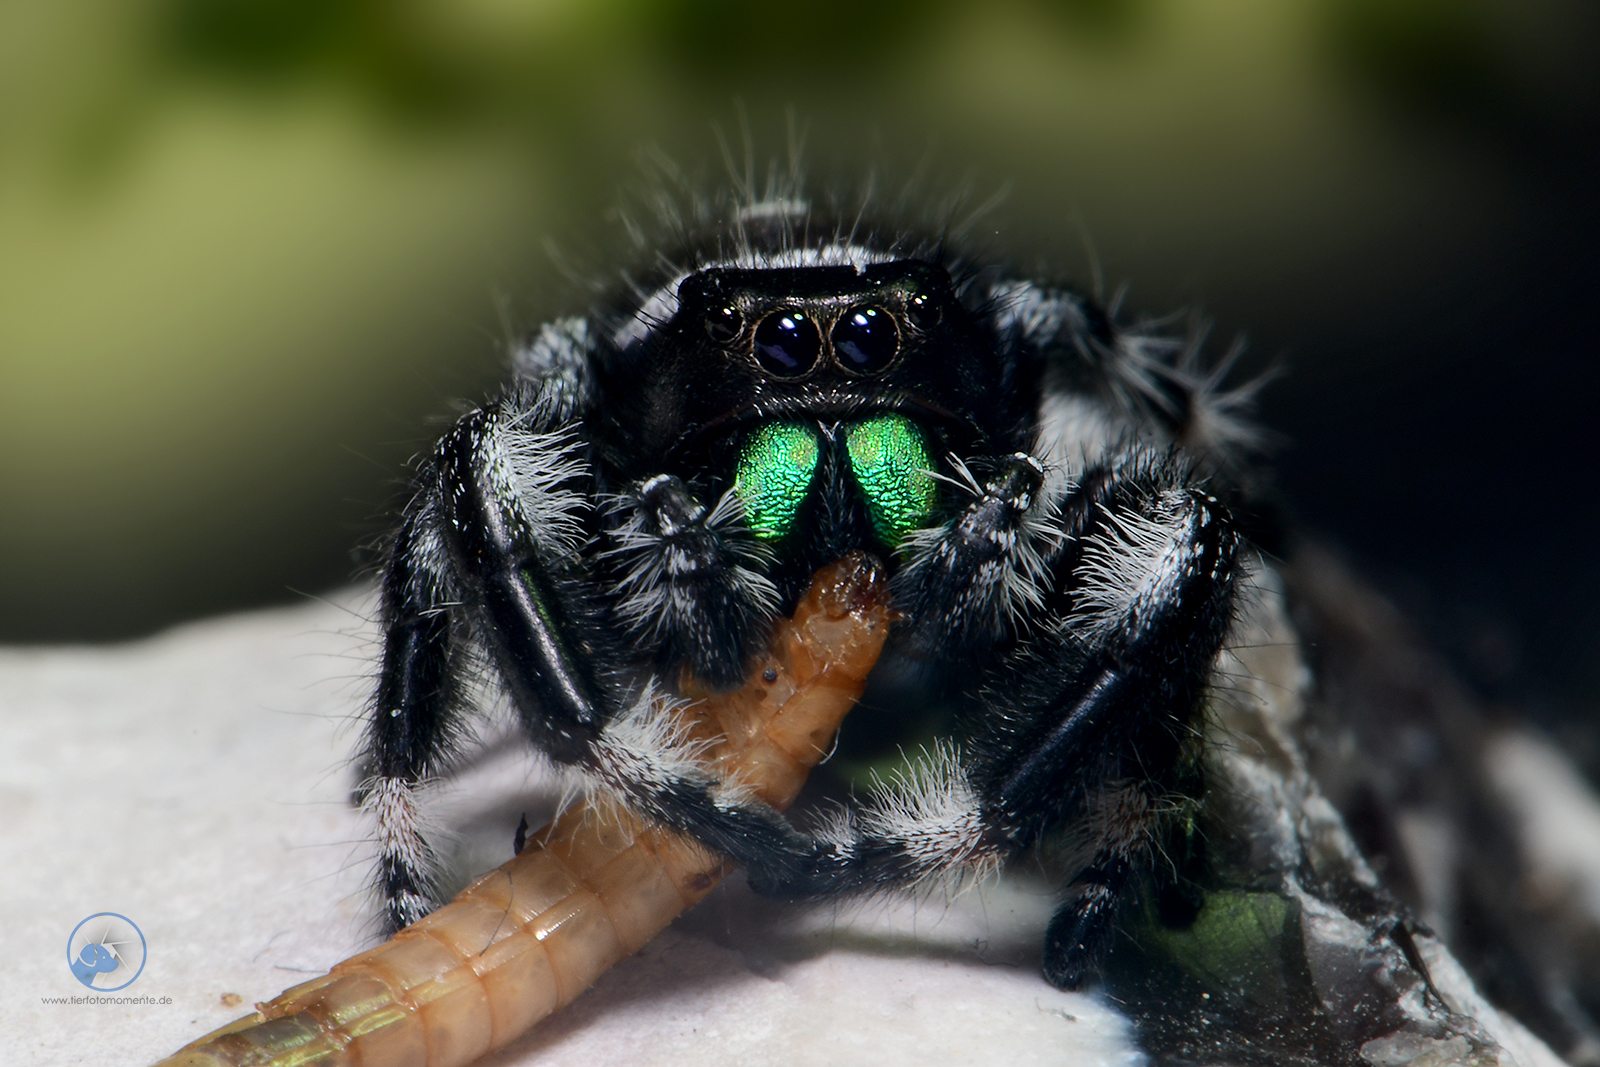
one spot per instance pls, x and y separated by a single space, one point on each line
589 889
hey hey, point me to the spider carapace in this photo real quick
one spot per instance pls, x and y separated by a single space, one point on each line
661 478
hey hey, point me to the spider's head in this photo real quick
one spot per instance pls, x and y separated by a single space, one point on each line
827 336
824 380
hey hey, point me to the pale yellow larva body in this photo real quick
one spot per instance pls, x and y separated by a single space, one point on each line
589 889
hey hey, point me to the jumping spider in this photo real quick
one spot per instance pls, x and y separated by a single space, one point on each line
660 479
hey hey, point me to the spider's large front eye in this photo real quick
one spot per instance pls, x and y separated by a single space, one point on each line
865 340
787 344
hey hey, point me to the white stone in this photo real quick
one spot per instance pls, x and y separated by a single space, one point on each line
199 782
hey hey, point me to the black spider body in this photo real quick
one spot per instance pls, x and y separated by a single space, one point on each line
661 479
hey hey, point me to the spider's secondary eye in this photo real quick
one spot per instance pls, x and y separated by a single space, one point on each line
724 324
923 311
866 340
787 344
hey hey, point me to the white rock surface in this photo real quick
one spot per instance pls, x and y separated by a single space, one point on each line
198 783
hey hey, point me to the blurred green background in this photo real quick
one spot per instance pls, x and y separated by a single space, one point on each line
251 251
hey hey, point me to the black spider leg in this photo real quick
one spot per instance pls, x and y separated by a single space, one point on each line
1080 729
416 714
932 824
1092 738
623 743
1155 380
420 702
463 579
524 620
497 526
690 581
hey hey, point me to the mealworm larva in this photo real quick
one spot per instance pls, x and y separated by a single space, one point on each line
587 890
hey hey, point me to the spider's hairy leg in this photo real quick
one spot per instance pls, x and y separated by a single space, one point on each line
448 576
416 712
934 822
1119 823
1082 727
506 497
690 580
970 580
513 522
1089 727
966 584
542 618
1136 372
1128 828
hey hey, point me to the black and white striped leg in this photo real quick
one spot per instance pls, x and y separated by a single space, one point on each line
510 543
1081 730
416 714
1155 379
1090 735
544 624
922 829
491 548
688 580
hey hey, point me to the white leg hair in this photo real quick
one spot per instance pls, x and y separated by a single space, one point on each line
1132 564
930 816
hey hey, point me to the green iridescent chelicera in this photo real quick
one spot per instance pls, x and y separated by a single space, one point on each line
774 476
890 460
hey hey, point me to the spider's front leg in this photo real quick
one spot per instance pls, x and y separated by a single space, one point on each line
1091 725
1082 728
497 516
414 720
490 560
